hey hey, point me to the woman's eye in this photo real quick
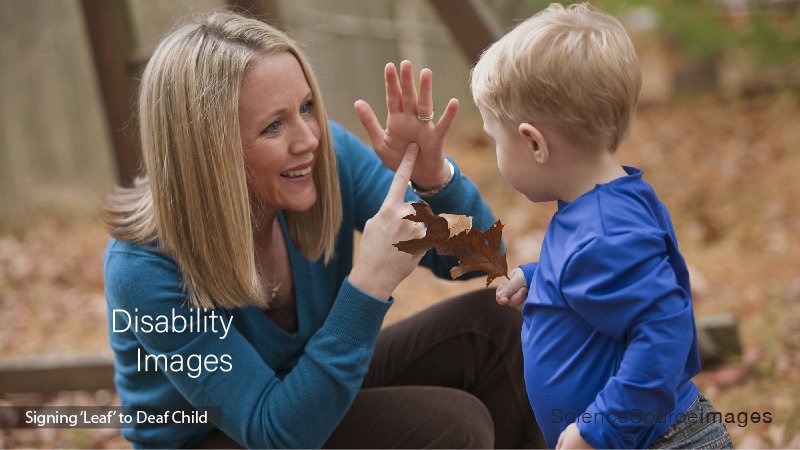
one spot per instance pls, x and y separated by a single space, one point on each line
273 127
306 107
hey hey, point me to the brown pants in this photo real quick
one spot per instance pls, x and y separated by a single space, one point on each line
448 377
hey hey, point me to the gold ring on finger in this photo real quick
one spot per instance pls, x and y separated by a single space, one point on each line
427 118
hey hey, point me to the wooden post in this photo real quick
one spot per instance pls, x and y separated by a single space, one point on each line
48 374
473 24
111 40
718 339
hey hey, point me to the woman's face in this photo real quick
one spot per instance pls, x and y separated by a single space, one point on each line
280 133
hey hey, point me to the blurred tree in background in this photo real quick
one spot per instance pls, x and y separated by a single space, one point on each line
759 39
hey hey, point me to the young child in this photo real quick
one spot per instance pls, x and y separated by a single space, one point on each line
609 337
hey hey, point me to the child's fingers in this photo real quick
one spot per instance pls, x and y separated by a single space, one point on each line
560 443
516 300
502 289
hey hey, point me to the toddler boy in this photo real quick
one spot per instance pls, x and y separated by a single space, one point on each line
609 337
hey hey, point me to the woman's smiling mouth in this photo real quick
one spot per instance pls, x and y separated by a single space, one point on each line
296 173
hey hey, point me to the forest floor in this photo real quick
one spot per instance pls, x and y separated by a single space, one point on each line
727 169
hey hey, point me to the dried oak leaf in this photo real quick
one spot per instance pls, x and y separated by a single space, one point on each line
437 232
454 235
457 223
477 250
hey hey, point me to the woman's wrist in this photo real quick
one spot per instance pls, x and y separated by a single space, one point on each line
429 190
369 284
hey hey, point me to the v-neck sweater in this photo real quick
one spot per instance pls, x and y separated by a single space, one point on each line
264 387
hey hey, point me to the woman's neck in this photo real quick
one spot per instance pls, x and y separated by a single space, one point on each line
264 228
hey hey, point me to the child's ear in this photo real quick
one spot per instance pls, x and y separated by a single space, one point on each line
536 142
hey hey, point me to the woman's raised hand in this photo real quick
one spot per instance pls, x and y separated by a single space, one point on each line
406 123
381 266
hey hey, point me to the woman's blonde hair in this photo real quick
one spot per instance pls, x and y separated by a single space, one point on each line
572 69
193 199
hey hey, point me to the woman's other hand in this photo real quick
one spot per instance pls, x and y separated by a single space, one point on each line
404 125
512 292
381 266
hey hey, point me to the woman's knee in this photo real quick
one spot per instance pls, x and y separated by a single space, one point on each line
463 420
415 417
501 322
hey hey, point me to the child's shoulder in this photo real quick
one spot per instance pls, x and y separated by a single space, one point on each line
627 206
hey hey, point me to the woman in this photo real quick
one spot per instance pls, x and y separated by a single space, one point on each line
232 292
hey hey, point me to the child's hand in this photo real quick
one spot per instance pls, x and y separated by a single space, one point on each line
404 125
512 292
571 438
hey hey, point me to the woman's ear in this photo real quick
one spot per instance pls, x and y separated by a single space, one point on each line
536 142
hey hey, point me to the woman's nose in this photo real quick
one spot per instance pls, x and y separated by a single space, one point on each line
306 139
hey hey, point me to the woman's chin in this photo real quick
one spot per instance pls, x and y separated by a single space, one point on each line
295 200
302 205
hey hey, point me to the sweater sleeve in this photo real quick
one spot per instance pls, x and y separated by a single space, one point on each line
259 408
371 181
625 287
528 270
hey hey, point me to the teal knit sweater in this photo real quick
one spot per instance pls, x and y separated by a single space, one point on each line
268 387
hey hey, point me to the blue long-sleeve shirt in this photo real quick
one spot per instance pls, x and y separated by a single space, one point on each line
283 390
608 338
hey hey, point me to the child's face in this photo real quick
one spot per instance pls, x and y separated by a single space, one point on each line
515 158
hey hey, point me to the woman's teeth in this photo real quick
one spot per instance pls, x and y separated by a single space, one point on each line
296 173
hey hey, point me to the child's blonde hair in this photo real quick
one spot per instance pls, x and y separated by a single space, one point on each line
572 70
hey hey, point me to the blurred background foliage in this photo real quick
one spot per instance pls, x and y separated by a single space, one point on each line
716 134
762 35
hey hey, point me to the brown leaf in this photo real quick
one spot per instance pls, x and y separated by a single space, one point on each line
453 234
477 250
457 223
436 233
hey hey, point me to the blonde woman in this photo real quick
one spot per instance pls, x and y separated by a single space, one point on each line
236 312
